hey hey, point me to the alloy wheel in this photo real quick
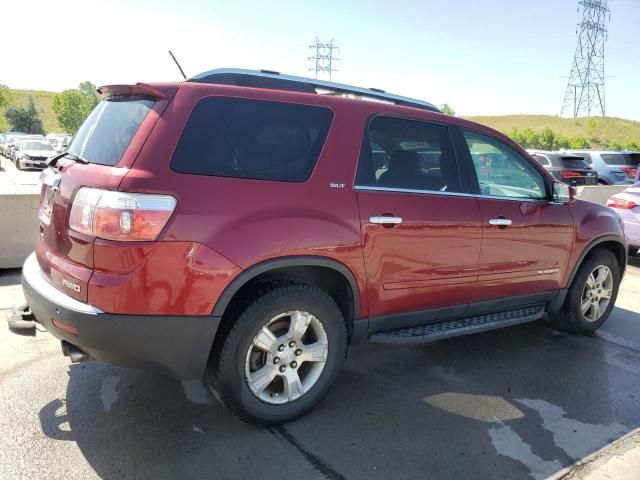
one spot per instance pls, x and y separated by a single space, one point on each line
286 357
597 293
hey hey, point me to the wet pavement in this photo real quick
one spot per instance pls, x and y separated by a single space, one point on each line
523 402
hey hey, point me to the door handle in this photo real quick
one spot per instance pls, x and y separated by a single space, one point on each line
500 222
382 220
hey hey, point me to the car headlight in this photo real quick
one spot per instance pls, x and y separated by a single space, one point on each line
25 156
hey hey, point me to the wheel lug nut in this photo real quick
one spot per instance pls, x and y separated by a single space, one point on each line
280 348
276 360
298 352
283 368
292 344
294 364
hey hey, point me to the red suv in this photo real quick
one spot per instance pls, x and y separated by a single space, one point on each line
247 227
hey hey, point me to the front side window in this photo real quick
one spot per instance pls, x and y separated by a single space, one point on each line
403 154
255 139
501 171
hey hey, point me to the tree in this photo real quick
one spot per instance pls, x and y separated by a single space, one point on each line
5 96
73 106
448 110
25 119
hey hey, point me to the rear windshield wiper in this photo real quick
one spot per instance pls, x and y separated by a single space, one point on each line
71 156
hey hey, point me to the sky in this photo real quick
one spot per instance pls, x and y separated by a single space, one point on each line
482 57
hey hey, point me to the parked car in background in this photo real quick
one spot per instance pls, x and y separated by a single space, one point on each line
568 168
33 153
613 167
14 148
237 227
9 141
627 204
59 141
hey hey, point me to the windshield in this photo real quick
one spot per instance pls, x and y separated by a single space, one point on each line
623 159
106 133
36 146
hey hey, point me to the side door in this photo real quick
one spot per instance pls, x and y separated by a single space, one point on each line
526 237
420 231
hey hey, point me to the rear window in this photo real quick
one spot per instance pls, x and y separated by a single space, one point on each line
623 159
107 132
256 139
574 162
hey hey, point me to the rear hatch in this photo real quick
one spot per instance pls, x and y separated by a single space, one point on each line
573 170
99 156
627 162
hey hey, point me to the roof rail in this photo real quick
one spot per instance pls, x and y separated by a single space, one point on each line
278 81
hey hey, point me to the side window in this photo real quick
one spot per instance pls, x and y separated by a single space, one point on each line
232 137
542 160
407 155
501 171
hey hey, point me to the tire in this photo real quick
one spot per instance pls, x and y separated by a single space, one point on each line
571 316
18 164
602 182
237 359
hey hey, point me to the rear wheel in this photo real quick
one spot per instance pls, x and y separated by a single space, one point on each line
592 294
281 355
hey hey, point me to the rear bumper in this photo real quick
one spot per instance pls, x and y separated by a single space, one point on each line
177 344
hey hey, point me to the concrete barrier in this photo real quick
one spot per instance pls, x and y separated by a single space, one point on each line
599 193
19 226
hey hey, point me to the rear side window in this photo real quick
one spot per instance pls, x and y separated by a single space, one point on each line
232 137
107 132
542 160
401 154
622 159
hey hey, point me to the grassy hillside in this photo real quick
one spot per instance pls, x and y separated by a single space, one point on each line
599 131
42 100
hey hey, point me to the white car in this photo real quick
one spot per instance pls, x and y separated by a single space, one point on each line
59 141
33 153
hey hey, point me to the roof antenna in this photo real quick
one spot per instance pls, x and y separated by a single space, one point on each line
178 65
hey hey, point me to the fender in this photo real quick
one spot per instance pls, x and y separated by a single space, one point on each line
282 262
556 304
594 243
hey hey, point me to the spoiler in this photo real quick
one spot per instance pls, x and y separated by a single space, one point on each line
107 91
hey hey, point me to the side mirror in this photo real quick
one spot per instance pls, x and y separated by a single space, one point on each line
563 193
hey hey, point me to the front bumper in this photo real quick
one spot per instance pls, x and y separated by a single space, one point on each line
177 344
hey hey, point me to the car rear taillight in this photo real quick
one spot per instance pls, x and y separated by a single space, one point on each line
619 202
630 171
120 215
570 174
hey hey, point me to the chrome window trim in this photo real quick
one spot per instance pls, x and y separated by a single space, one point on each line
449 194
35 278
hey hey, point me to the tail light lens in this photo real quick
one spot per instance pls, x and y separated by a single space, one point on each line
120 215
570 174
630 171
619 202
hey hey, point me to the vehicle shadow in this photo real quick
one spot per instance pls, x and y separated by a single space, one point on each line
516 403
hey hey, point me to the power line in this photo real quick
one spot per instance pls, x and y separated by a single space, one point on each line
324 59
584 95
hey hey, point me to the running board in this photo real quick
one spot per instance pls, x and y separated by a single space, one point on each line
463 326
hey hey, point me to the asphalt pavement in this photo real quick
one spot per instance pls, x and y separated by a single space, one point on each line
522 402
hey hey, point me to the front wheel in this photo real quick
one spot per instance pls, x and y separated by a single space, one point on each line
280 356
592 294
